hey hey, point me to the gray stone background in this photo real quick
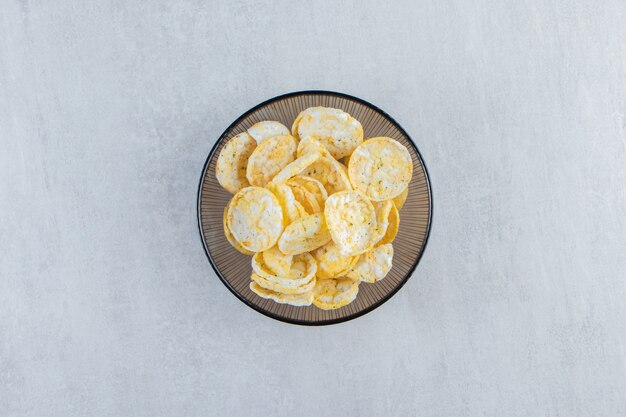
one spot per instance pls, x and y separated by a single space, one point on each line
108 306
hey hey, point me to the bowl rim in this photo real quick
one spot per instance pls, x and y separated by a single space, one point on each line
316 322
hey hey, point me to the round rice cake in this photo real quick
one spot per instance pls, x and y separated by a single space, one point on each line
383 209
294 125
393 224
293 168
255 218
339 132
373 265
267 129
232 162
330 173
313 186
330 294
330 261
298 300
270 285
351 219
230 237
292 209
400 199
381 168
269 158
303 270
304 235
277 262
310 145
305 197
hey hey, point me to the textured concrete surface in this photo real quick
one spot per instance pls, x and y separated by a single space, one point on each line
108 306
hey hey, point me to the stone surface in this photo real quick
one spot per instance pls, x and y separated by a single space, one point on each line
108 306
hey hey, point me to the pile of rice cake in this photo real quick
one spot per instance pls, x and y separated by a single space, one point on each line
316 207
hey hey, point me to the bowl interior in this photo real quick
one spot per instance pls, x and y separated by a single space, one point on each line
234 268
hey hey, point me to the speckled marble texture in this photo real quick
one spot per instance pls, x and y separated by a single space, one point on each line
108 306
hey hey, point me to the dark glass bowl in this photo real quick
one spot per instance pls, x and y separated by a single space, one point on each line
234 269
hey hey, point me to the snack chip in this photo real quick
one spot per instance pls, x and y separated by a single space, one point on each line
304 235
310 145
298 300
305 197
330 173
383 209
373 265
230 237
330 261
232 162
380 168
277 262
303 270
351 219
269 158
393 224
339 132
293 168
267 129
313 186
294 126
330 294
255 218
271 285
400 199
292 209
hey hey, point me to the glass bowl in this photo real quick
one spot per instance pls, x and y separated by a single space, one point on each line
234 269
